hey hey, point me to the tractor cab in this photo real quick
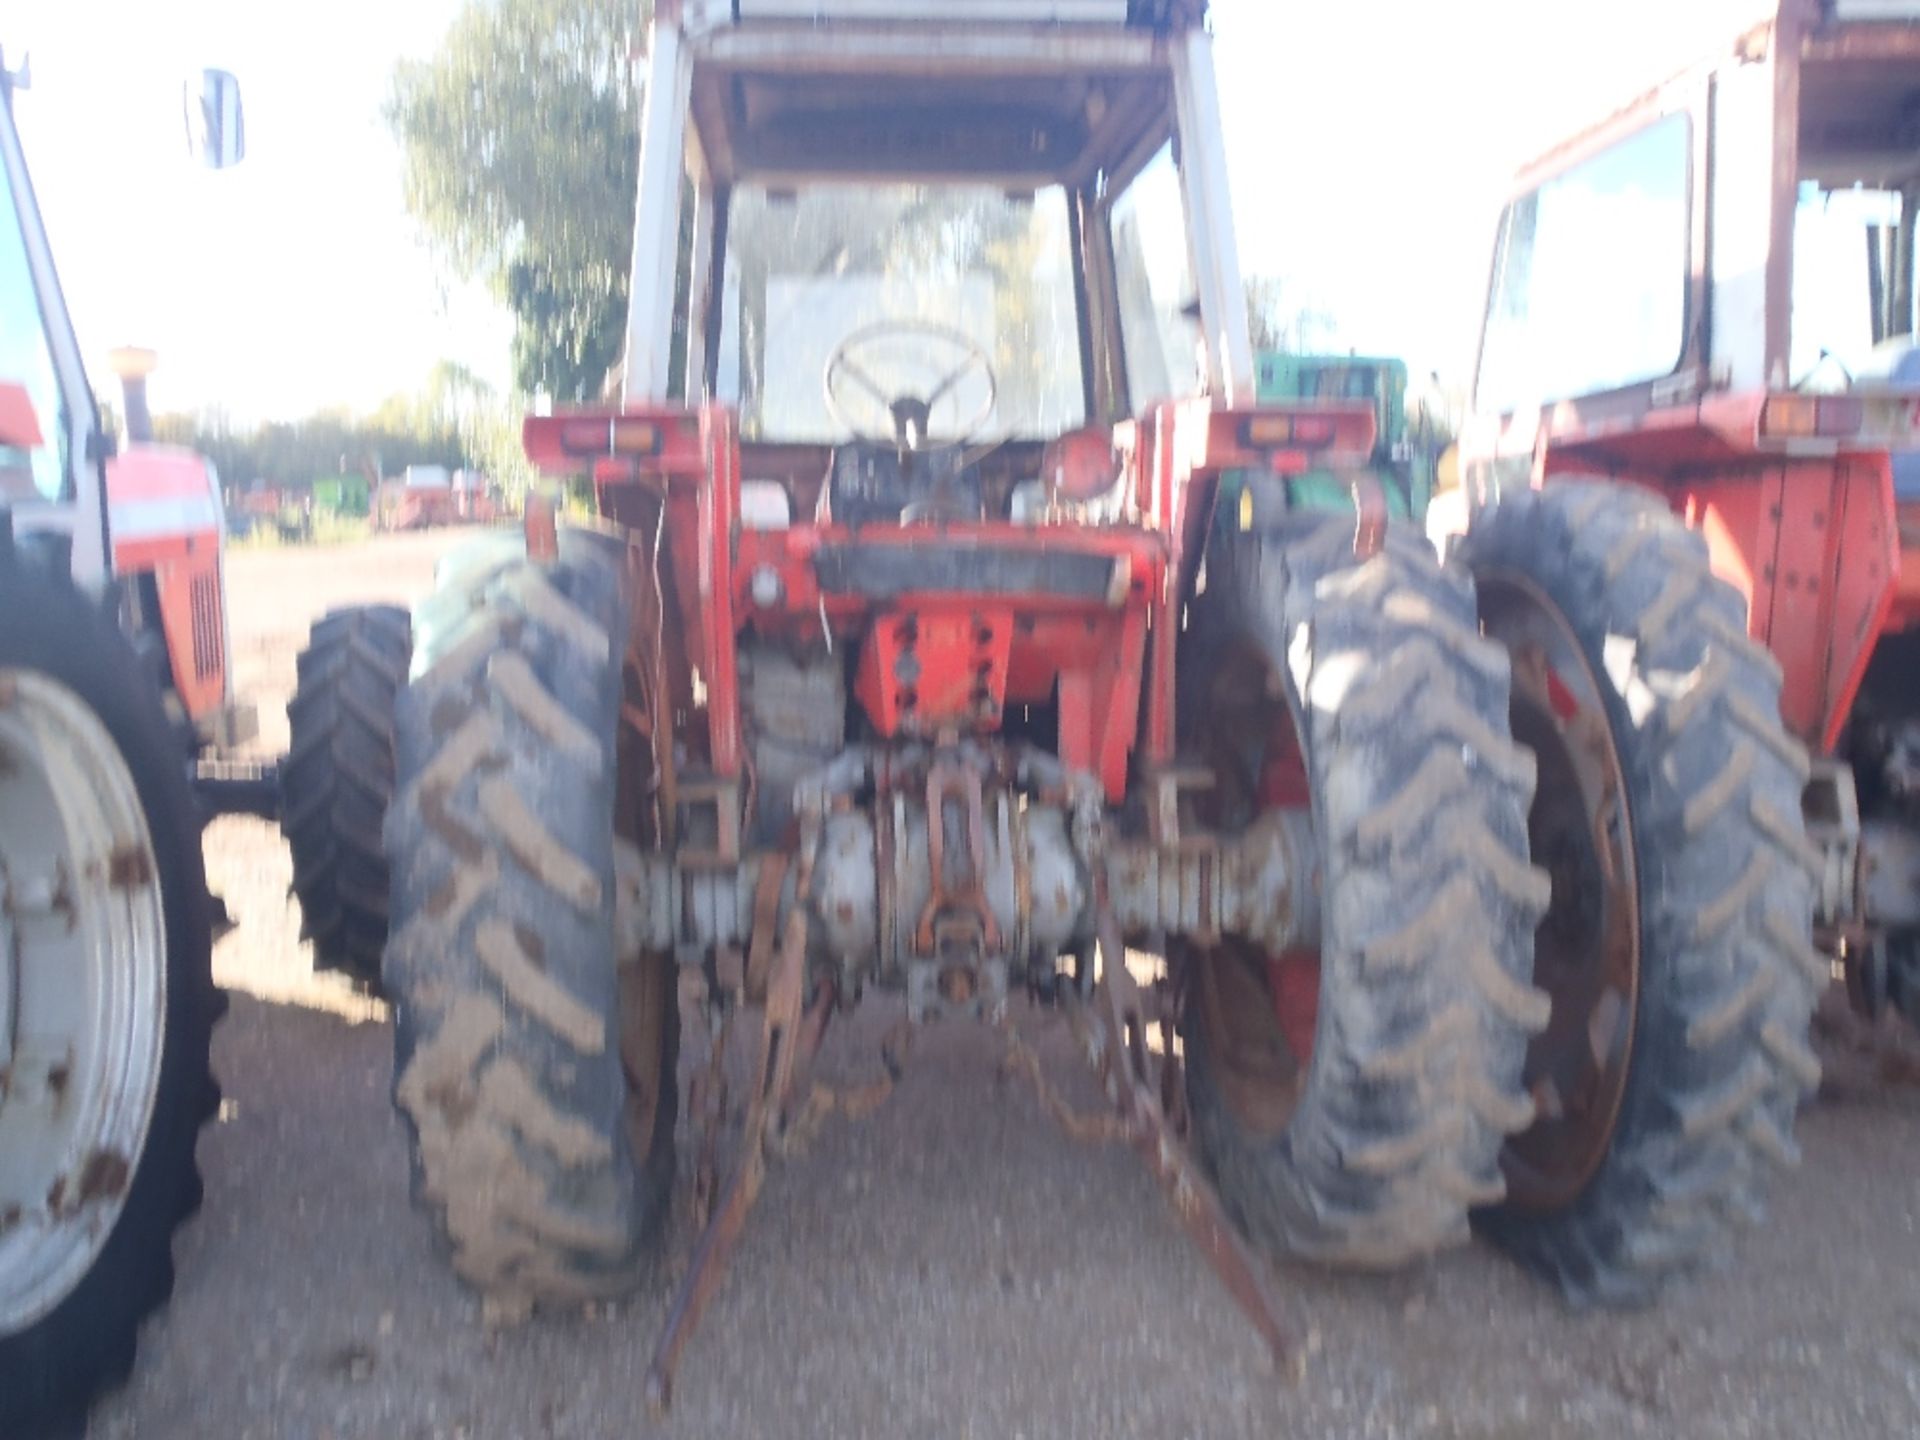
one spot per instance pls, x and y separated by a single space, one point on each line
903 268
911 247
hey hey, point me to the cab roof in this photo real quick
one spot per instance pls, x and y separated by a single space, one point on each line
1016 94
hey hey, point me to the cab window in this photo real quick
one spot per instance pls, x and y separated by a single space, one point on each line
1153 271
1591 275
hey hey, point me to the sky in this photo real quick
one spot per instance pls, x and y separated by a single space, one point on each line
1369 143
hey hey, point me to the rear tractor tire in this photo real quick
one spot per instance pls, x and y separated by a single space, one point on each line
339 783
534 1065
1352 1101
1678 947
107 1001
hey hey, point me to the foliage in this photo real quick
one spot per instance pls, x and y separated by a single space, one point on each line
521 139
293 453
456 420
1283 322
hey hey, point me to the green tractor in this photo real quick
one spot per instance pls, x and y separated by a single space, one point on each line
343 495
1406 450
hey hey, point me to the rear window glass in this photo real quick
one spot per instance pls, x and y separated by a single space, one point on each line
1591 275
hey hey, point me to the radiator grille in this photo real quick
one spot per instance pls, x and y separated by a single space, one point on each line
205 598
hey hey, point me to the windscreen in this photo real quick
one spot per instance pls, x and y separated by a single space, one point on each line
906 265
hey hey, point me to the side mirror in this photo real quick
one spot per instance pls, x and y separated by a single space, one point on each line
216 128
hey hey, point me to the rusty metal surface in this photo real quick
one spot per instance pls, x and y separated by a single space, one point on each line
1370 514
766 915
853 1103
773 1075
1146 1107
1115 1031
1587 952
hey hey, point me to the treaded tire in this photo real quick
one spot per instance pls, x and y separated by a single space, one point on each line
1427 898
547 1164
50 1370
339 782
1728 972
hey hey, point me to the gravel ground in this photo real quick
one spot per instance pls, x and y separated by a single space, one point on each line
953 1266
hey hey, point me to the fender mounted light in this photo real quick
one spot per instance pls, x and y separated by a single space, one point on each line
1811 417
1263 432
612 436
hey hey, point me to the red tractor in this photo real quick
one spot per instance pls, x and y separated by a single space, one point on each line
1698 354
956 619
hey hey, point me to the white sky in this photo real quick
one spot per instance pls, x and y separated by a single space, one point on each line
1370 142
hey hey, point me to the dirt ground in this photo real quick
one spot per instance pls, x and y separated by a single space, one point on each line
953 1266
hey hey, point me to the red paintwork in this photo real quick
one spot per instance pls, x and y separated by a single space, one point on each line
1293 979
163 518
936 670
1905 612
1091 650
979 655
1812 545
1809 538
19 426
1080 465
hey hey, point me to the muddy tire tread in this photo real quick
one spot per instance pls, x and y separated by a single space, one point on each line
502 964
1729 974
339 783
1426 1006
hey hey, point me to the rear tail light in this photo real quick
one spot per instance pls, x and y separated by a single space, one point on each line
1812 417
610 437
1264 432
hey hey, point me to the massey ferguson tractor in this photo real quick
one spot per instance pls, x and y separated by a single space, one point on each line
113 684
1698 353
956 623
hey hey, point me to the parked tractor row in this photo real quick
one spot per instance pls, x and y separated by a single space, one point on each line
967 608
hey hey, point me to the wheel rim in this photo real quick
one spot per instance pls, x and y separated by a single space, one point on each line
1258 1012
1587 949
79 1062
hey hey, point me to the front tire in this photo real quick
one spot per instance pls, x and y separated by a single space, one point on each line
97 1141
1352 1102
1678 948
533 1063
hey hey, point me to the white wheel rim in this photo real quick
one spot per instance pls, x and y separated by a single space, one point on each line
83 971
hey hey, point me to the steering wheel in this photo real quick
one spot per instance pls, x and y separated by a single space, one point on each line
909 416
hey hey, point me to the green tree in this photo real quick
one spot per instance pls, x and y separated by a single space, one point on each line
1280 321
521 140
404 431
